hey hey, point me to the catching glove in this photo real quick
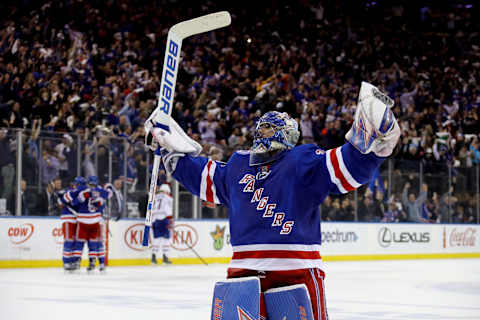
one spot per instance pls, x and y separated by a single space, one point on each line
374 127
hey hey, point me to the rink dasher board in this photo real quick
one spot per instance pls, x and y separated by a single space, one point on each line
38 242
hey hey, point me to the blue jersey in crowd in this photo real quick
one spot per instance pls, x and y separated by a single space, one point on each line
274 215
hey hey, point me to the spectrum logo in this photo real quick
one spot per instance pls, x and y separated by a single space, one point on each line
339 236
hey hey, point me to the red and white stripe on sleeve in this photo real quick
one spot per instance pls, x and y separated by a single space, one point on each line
208 191
67 197
339 174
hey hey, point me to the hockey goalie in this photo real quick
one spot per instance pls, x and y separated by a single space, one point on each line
273 192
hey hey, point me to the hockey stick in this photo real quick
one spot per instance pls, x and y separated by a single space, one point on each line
161 115
196 253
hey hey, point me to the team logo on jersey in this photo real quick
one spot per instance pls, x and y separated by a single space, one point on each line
264 172
249 181
261 201
243 315
218 236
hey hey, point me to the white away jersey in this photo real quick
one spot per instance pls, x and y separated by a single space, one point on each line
163 206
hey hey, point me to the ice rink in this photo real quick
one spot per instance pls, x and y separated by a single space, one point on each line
405 289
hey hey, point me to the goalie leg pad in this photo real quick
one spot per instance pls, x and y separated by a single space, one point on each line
292 302
236 299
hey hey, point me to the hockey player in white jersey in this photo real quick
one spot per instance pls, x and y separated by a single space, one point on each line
273 192
162 223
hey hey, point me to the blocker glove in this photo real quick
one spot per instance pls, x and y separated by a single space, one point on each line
170 159
174 140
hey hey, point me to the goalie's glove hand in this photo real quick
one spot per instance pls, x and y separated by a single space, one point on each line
170 159
170 222
374 127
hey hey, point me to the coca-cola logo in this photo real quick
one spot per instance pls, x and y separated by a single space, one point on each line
462 237
21 233
57 234
184 237
133 237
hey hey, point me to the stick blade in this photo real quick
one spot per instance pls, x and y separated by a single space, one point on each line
202 24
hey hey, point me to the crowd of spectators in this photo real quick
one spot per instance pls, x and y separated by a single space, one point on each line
90 70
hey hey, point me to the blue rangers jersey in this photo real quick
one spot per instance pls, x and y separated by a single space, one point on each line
91 203
68 199
274 209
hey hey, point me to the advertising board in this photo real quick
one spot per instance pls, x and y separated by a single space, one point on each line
30 241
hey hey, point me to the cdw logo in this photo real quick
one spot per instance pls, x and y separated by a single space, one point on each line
21 233
57 234
134 235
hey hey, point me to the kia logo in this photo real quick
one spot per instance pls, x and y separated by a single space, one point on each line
184 237
20 234
133 237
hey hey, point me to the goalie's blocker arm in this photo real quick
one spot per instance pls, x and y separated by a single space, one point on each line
175 140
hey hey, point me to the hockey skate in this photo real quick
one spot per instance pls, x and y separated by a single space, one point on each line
91 266
166 260
154 259
76 265
69 267
102 268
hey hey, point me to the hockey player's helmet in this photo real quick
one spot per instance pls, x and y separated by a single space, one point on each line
92 180
79 181
165 188
275 132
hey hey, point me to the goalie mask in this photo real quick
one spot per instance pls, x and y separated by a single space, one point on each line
275 132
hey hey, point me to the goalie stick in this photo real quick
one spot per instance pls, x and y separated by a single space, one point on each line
160 117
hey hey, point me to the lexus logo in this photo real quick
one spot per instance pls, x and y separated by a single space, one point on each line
386 237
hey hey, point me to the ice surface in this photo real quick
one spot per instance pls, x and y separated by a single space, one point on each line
406 289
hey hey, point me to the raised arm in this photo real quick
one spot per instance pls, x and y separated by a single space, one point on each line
371 139
422 195
348 168
203 177
405 194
